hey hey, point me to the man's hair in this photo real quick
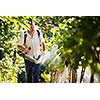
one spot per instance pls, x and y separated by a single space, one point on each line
32 22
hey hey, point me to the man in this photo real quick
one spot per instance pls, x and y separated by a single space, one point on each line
34 42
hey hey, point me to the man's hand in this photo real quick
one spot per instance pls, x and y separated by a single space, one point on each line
26 50
43 47
43 52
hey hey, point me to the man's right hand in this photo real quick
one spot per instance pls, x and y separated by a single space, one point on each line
26 50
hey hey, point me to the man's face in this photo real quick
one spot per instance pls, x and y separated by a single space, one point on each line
32 28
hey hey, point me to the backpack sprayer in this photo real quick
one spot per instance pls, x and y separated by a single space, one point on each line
28 57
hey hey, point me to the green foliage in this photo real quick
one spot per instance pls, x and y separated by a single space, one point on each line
46 76
77 38
11 64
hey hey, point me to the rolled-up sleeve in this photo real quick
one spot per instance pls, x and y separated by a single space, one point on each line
21 41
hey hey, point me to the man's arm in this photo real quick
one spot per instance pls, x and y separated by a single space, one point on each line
20 44
43 47
25 50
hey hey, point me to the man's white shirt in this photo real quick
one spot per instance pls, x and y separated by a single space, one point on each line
33 42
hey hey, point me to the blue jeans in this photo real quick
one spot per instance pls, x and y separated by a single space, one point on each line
32 72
